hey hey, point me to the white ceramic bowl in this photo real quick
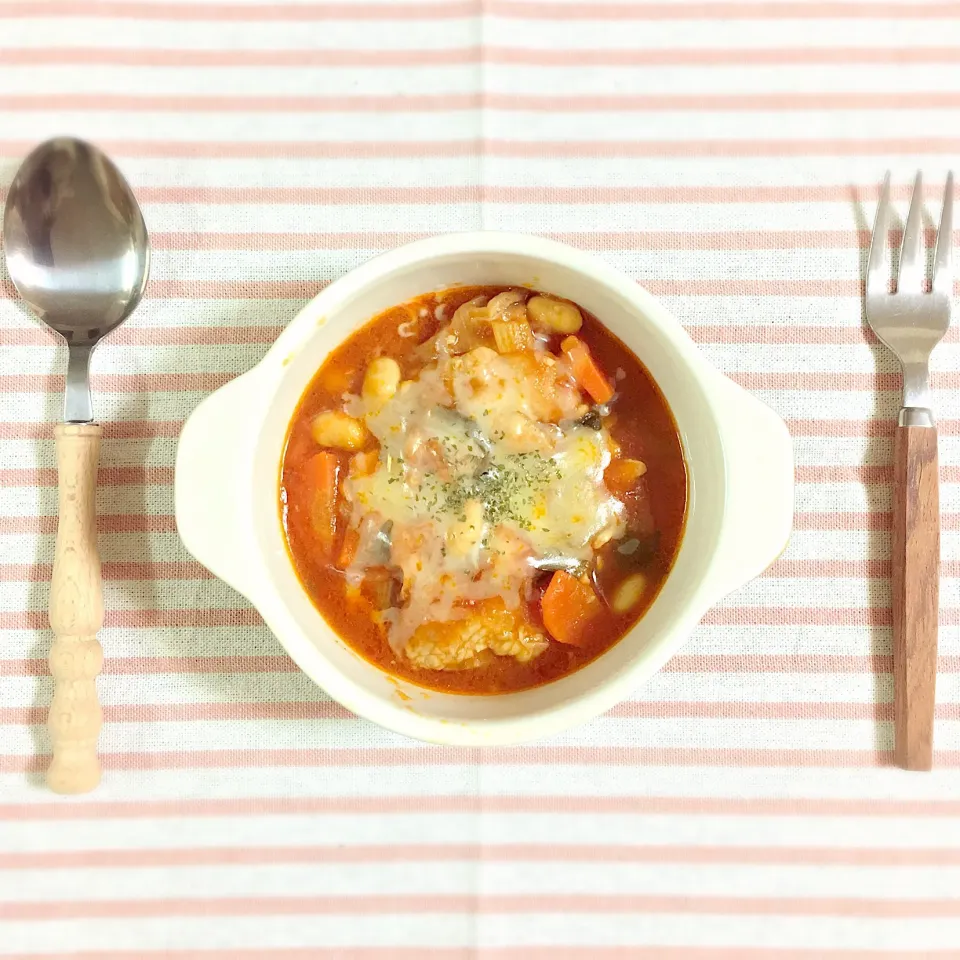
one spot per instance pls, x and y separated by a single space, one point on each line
738 455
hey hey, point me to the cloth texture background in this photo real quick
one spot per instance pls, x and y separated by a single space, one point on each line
726 155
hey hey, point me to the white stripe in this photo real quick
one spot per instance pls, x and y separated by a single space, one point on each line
839 833
459 878
235 81
369 34
589 127
744 266
549 217
228 687
739 783
237 127
740 640
543 172
240 932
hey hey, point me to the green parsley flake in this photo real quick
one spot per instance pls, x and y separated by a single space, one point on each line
503 488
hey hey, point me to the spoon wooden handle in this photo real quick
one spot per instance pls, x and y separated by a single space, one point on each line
76 614
916 589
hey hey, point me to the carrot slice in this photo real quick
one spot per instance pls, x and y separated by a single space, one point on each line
567 607
363 464
321 477
585 370
623 475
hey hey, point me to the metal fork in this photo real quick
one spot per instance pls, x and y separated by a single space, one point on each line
911 322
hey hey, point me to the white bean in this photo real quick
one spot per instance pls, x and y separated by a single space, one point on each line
381 380
629 593
554 316
335 429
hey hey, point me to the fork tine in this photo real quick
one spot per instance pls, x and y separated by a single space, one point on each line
878 277
942 265
912 263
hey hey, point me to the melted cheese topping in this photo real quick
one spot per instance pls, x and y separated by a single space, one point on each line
482 472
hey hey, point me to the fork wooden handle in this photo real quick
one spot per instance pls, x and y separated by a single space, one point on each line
915 551
76 614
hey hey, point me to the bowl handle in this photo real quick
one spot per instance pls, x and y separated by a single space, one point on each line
758 512
213 483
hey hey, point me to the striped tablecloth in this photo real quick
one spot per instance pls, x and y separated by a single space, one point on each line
724 154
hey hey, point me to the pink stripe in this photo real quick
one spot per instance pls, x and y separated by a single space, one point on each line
630 240
684 663
833 380
790 663
717 11
765 710
36 667
811 335
35 336
587 149
427 805
814 568
430 103
114 476
191 335
111 570
808 616
587 193
186 58
592 240
714 57
843 428
401 103
373 757
718 616
878 520
465 56
525 952
188 570
763 335
445 904
845 568
164 523
143 619
848 521
843 473
875 520
633 709
862 474
114 430
448 10
106 523
508 9
120 382
107 476
215 289
181 712
752 334
494 852
383 953
873 474
305 290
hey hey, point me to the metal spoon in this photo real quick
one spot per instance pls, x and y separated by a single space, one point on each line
77 251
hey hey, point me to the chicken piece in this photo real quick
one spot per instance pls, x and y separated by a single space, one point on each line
549 393
473 641
487 386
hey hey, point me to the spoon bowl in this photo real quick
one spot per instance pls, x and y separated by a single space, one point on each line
75 240
77 251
